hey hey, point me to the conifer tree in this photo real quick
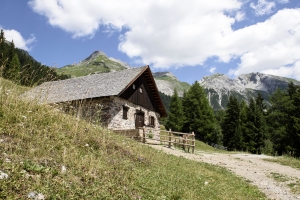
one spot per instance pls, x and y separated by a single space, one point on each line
175 116
277 120
293 127
255 128
199 116
13 71
3 52
232 137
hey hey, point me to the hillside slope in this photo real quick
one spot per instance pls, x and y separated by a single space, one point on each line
166 83
97 62
45 152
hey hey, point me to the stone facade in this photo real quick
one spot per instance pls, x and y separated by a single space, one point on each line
108 111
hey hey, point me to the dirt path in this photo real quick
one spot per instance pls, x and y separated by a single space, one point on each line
251 167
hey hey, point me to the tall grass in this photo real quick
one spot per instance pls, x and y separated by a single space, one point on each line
38 141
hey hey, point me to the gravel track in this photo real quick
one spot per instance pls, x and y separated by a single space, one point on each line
251 167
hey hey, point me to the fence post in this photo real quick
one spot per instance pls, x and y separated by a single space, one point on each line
144 135
170 138
193 142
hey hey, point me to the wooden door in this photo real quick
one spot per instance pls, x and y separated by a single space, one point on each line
139 119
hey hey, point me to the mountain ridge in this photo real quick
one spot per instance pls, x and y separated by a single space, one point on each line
217 86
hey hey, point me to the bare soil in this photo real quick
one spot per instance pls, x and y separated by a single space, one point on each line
252 168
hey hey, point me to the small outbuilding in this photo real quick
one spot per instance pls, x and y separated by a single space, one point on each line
121 100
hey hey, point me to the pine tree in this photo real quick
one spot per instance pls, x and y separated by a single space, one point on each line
199 116
293 126
259 100
3 52
232 136
277 120
175 116
13 71
255 128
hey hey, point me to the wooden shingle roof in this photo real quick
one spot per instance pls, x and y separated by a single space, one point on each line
92 86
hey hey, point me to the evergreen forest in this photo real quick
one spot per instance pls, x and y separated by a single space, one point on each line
251 127
17 65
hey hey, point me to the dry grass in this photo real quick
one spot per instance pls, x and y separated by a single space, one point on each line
37 141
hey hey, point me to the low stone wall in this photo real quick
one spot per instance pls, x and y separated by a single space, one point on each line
131 133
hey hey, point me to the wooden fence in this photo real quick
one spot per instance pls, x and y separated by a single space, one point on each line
169 138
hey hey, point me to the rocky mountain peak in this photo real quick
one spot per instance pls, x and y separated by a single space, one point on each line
94 55
219 87
164 74
124 64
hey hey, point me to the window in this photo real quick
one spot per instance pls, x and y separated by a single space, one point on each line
141 90
133 86
152 121
125 112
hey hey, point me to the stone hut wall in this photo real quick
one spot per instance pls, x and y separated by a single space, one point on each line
108 111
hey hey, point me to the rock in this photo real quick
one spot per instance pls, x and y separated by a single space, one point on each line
63 169
31 195
3 175
35 196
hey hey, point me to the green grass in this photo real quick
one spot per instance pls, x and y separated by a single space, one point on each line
37 140
286 160
292 183
279 177
295 186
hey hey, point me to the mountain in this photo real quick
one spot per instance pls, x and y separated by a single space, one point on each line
97 62
166 83
219 87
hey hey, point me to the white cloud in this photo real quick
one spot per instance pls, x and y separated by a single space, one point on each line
18 39
263 7
286 71
283 1
240 16
271 46
212 70
174 33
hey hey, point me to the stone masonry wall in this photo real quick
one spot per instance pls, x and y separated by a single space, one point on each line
108 111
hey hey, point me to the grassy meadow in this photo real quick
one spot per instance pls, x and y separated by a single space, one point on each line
45 151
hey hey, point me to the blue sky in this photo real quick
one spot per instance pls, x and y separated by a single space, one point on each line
191 39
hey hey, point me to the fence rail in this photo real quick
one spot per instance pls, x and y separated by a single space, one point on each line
184 140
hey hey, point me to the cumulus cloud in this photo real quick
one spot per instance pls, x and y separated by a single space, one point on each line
263 7
18 39
212 70
174 33
269 46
